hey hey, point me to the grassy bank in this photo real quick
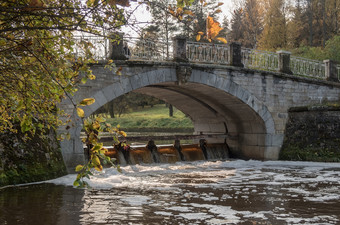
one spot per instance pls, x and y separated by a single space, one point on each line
154 118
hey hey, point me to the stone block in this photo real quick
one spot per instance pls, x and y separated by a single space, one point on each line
219 82
252 152
109 92
126 85
249 139
196 76
100 98
136 82
271 153
152 76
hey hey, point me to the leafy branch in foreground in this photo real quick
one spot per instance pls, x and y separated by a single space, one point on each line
38 66
95 150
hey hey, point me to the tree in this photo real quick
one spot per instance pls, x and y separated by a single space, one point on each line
252 23
163 23
295 27
274 35
37 62
237 26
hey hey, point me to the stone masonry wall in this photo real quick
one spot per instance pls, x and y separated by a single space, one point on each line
24 160
312 133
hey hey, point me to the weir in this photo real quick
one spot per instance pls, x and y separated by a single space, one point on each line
151 153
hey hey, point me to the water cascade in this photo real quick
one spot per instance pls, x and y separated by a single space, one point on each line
151 153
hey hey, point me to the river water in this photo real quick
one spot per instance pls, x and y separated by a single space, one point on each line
200 192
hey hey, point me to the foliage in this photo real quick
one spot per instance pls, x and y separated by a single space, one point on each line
29 158
96 151
247 23
199 20
154 118
331 51
274 35
37 62
125 103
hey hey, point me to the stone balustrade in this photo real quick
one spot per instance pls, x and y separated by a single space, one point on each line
233 54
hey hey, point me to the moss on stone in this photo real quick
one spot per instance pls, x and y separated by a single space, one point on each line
312 134
32 159
316 154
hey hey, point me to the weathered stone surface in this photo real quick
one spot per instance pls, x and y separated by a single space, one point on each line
247 102
25 160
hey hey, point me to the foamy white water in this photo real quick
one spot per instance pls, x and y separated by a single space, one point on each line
215 192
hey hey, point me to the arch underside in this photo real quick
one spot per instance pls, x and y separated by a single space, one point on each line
214 111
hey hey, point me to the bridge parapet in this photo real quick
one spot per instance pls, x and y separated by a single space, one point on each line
197 52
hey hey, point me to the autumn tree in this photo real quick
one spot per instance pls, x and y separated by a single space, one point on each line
252 22
237 25
37 62
295 35
274 35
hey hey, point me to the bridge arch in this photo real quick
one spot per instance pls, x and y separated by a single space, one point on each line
215 104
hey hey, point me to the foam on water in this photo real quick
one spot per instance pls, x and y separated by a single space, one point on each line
202 190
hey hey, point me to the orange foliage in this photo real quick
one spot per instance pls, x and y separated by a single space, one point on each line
213 28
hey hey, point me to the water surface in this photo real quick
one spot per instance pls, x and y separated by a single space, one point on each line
201 192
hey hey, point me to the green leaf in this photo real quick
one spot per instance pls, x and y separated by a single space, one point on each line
76 183
83 80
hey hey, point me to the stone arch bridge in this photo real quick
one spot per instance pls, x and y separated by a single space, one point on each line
236 97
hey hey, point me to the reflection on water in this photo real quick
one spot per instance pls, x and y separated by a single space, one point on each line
204 192
40 205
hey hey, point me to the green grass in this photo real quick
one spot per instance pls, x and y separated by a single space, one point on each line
153 119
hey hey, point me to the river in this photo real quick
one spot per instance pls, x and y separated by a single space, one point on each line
200 192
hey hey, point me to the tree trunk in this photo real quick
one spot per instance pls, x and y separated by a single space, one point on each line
323 24
111 110
171 110
310 22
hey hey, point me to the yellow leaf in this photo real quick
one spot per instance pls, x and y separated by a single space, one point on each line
200 33
222 40
218 11
122 133
78 168
80 112
87 101
188 12
220 3
99 168
92 77
198 37
96 161
213 28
